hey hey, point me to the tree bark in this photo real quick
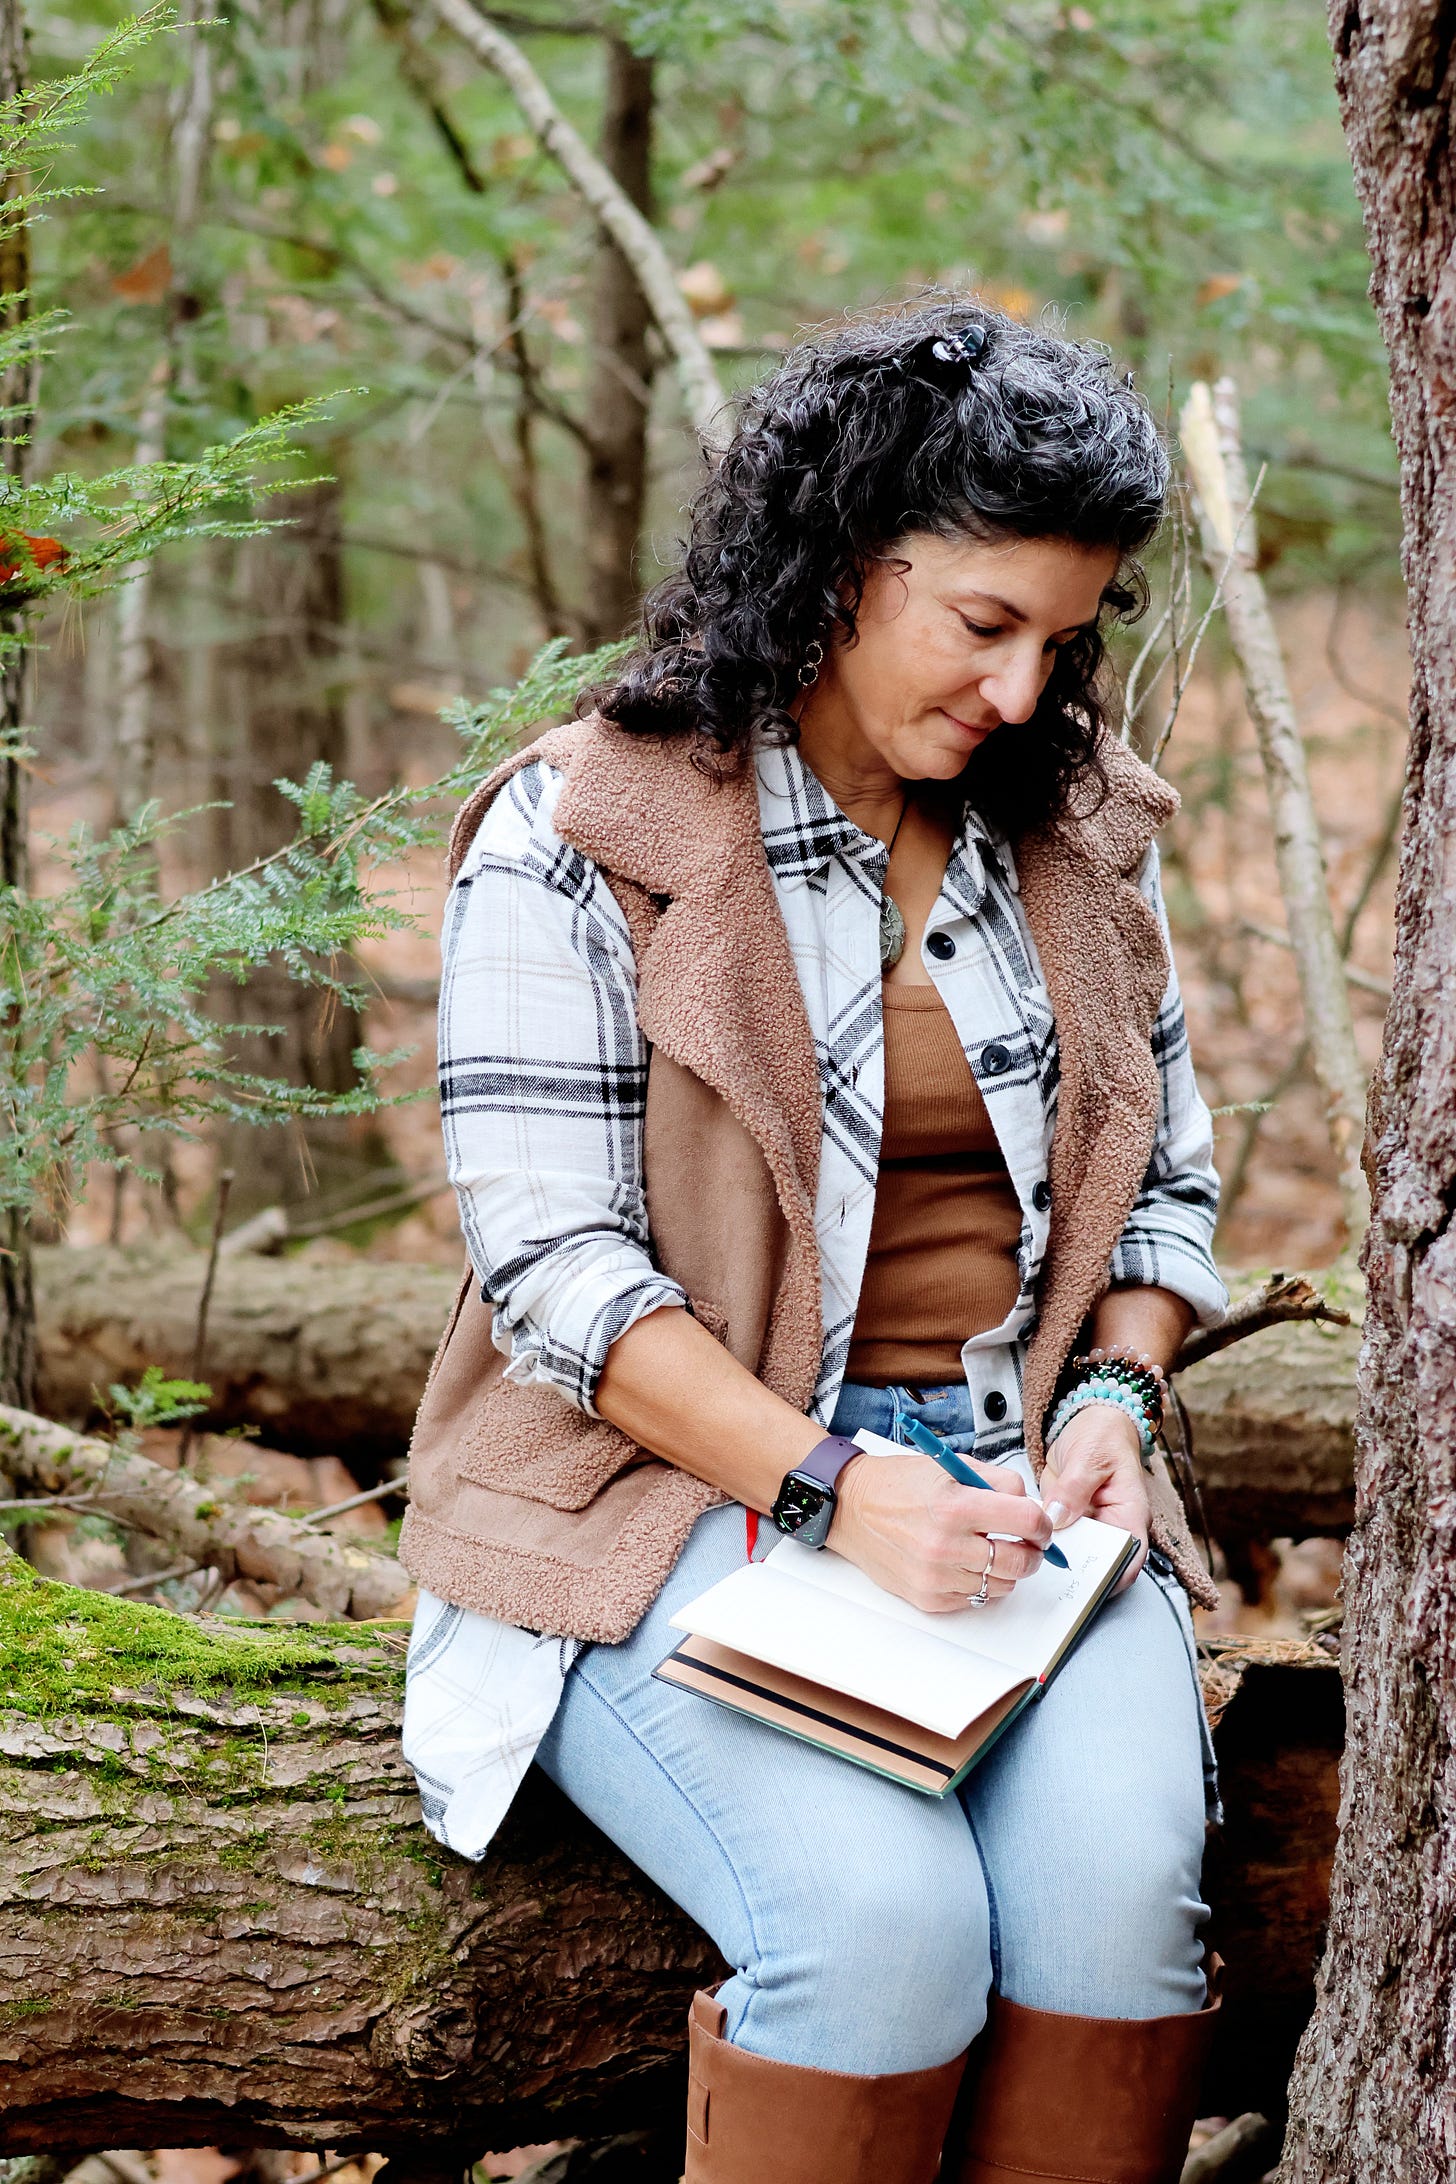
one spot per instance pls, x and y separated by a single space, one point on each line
282 703
621 383
1374 2093
331 1361
17 396
222 1921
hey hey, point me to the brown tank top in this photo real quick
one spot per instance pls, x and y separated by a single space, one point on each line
942 1256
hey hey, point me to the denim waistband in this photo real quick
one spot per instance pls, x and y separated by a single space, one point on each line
949 1410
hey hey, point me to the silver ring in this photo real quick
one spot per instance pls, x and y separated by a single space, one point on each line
979 1599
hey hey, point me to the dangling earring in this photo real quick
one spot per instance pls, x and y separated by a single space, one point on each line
809 672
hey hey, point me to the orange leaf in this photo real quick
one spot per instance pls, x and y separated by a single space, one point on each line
16 569
148 280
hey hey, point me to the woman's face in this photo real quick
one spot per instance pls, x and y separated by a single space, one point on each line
954 638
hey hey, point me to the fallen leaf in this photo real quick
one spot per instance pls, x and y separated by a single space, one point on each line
148 280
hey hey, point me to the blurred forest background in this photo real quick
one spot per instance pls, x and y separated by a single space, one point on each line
316 196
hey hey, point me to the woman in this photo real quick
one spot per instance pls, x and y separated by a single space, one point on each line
811 1059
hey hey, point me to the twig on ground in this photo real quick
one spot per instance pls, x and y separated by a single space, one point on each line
382 1492
149 1579
1242 2150
266 1232
374 1209
1282 1297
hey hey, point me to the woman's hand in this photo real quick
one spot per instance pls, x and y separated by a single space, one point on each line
1094 1469
922 1535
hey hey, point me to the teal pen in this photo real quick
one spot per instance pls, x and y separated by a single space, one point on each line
940 1452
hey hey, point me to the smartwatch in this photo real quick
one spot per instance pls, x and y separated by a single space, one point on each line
807 1501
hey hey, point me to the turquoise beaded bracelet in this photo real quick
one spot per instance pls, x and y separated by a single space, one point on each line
1110 1392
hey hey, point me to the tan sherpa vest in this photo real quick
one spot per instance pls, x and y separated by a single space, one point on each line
523 1508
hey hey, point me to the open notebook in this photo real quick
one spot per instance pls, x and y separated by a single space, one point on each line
806 1641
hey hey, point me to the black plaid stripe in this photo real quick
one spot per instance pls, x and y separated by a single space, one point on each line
514 1084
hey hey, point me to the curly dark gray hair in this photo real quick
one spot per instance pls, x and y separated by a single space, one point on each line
940 416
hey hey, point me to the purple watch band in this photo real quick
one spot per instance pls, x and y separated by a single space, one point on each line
828 1458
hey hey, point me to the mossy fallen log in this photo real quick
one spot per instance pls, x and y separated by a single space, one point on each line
331 1359
221 1919
222 1922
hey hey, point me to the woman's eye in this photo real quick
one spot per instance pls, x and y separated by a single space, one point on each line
978 630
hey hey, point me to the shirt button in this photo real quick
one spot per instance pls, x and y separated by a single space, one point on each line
941 946
995 1059
1041 1196
995 1405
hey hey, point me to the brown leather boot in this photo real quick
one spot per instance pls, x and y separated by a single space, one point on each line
1085 2100
751 2121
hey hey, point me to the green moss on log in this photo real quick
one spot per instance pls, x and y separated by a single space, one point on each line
63 1649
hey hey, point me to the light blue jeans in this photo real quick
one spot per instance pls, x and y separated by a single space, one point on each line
866 1923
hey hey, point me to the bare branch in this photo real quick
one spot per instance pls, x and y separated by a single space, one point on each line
1210 432
607 200
1281 1297
382 1492
200 1521
1365 980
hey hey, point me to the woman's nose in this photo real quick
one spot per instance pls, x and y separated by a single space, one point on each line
1015 689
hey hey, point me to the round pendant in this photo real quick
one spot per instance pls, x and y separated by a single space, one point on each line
892 933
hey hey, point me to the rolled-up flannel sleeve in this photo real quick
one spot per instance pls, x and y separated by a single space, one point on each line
543 1079
1168 1240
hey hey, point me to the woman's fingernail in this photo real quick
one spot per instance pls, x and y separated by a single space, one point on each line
1057 1511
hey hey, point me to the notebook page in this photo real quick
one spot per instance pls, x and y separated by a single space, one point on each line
901 1666
1025 1631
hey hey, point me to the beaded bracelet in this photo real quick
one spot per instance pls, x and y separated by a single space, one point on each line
1132 1369
1107 1390
1113 1394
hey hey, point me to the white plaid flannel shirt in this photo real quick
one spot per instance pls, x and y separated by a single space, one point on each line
543 1079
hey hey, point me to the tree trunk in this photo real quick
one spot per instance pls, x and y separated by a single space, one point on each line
1374 2093
222 1921
17 396
620 392
330 1360
280 681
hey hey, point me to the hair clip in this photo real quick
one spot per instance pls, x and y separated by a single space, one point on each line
965 345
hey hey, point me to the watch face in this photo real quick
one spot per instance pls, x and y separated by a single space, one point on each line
799 1502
